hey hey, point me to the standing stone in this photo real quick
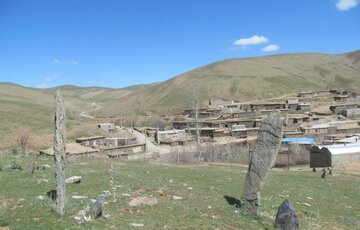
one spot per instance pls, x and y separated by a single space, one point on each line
59 153
98 207
262 160
30 168
286 218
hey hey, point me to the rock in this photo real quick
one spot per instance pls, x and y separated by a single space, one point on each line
82 217
189 188
177 197
262 160
59 153
306 204
41 197
73 180
286 218
137 225
149 201
79 197
98 207
42 180
126 194
52 194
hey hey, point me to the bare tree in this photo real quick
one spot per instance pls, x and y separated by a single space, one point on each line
20 139
195 103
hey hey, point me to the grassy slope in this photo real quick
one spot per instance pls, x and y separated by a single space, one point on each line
334 203
247 79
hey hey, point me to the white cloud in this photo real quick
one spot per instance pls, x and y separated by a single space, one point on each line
270 48
254 40
72 62
56 61
346 4
43 85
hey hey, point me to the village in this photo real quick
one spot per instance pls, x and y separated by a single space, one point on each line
325 124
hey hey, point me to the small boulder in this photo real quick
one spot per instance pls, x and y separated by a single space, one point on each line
149 201
73 180
286 218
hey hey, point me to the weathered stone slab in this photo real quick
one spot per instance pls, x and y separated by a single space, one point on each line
286 218
262 160
59 153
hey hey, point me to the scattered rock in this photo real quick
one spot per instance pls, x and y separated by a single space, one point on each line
79 197
215 217
73 180
42 180
306 204
82 217
171 181
189 188
177 197
286 217
41 197
126 194
150 201
309 198
137 225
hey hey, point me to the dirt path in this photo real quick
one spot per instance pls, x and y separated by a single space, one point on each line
86 113
150 147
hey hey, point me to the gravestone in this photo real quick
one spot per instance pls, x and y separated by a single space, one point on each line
262 160
59 153
286 218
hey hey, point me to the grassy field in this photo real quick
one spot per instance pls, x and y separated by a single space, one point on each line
331 203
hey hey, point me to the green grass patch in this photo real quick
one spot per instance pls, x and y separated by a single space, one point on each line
334 200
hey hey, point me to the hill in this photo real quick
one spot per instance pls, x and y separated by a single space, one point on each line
245 79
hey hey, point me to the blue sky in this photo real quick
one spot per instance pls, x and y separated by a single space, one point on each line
120 43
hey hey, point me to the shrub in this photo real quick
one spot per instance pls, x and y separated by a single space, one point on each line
15 165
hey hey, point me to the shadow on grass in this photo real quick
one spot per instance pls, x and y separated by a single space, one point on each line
233 201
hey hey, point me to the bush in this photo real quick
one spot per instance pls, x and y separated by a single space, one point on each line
15 165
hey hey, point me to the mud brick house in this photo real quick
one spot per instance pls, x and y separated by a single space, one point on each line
351 112
341 91
307 94
338 108
319 129
106 126
168 134
91 141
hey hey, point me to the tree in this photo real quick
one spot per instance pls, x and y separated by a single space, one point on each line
195 103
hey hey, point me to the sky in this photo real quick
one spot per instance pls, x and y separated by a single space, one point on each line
47 43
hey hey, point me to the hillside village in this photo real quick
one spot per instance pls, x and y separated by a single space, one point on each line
321 117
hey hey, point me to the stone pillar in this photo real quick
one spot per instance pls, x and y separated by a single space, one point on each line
262 160
59 153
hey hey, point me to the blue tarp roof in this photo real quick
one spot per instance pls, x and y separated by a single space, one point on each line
301 140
